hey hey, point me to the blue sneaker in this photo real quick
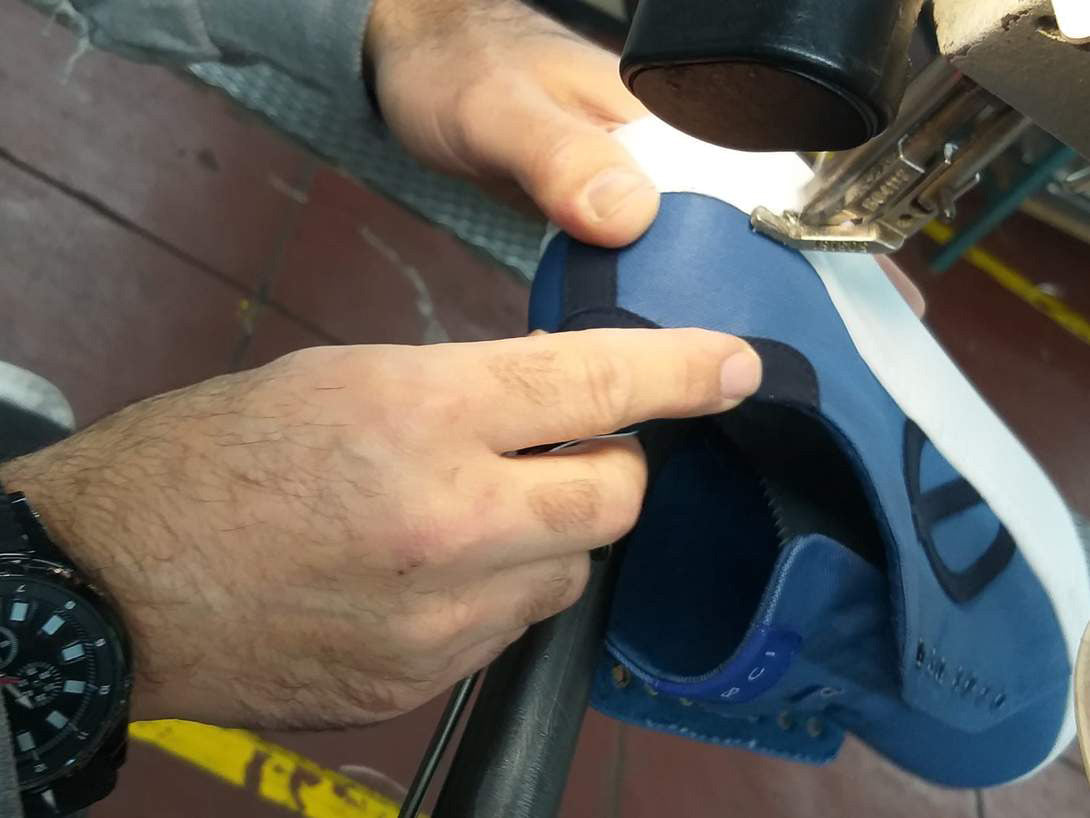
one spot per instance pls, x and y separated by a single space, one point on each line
863 546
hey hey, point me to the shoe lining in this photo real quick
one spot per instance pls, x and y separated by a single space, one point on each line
727 493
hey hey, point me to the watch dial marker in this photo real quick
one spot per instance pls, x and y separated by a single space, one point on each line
25 742
72 652
18 611
52 625
74 686
57 719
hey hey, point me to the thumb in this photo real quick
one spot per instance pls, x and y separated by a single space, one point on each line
582 178
609 200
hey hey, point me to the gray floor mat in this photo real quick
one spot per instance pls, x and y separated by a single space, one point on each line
363 148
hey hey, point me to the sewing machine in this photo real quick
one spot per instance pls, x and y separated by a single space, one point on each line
807 75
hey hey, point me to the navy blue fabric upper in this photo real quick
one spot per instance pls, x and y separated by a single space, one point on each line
944 653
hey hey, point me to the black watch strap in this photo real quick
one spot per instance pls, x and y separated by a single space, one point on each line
12 537
21 533
12 540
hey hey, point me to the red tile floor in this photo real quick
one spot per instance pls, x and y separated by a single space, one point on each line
151 235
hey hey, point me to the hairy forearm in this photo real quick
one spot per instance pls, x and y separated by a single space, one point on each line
395 24
317 42
111 497
66 487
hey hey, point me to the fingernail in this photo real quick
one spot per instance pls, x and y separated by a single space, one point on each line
611 190
741 374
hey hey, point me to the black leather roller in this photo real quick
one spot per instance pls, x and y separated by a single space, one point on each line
772 75
518 745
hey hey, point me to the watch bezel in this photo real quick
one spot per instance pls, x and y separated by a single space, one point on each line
68 580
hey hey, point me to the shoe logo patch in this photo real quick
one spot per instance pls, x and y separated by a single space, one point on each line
936 504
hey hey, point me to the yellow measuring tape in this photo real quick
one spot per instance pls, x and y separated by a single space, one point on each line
1055 308
284 778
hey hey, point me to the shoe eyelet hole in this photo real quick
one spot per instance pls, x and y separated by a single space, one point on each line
621 676
785 720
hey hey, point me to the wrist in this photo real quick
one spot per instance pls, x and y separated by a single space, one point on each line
63 486
60 627
43 478
395 25
76 506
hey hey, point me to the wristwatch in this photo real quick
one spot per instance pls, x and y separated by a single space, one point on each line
65 670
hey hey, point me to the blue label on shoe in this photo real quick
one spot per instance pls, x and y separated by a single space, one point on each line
761 661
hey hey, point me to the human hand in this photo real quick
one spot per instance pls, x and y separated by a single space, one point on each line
497 92
336 537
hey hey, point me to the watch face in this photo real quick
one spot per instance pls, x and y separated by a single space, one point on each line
62 676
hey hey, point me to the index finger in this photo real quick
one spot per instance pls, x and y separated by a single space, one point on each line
552 388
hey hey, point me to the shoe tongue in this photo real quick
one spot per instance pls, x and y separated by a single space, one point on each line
794 517
809 483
